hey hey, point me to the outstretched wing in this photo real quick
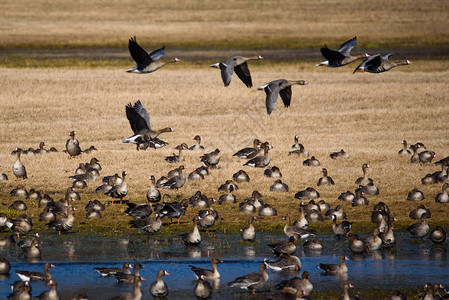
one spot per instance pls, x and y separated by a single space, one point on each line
286 95
334 57
227 69
272 91
347 46
157 54
139 55
373 60
243 73
138 117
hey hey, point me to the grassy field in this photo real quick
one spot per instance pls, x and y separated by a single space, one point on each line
367 115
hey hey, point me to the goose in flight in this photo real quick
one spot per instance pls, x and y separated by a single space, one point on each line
147 63
139 119
342 56
379 63
238 65
276 87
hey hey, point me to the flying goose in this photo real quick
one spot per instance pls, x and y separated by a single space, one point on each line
379 63
342 56
147 63
239 65
276 87
139 119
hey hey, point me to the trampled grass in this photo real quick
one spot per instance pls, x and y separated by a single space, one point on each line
365 114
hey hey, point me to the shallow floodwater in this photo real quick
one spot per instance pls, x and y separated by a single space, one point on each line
411 264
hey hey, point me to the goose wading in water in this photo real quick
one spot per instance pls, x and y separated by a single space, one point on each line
205 273
251 281
277 87
237 64
379 63
139 119
342 56
159 288
147 63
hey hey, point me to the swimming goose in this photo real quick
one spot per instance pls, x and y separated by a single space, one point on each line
420 229
159 288
125 278
207 274
341 268
177 158
63 224
342 56
147 63
286 247
438 235
295 231
373 242
18 168
341 229
139 119
267 210
249 152
120 190
276 87
443 197
308 194
279 186
274 172
260 161
72 146
153 195
297 284
356 244
311 162
135 295
4 266
36 276
325 180
239 65
251 281
249 233
286 262
365 179
419 211
52 294
339 154
241 176
147 225
379 63
202 289
112 271
211 159
404 150
415 195
192 238
197 146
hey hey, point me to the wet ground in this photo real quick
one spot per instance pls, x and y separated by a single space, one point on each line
411 264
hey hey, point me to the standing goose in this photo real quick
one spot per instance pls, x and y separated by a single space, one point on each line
51 294
125 278
356 244
63 224
260 161
18 168
404 150
192 238
120 190
286 247
36 276
443 197
72 146
249 233
251 281
341 268
297 284
153 194
342 56
139 119
211 159
373 242
379 63
205 273
147 63
239 65
159 288
147 225
325 180
341 229
249 152
197 146
176 182
365 179
276 87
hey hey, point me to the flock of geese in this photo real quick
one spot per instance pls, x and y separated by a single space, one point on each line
148 217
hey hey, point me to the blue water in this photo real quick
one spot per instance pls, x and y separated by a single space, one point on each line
410 264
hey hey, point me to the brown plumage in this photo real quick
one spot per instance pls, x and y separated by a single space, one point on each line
237 64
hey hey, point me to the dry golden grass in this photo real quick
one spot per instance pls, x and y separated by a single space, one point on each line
367 115
216 24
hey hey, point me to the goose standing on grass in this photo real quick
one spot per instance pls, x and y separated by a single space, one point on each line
153 194
237 64
63 224
251 281
260 161
72 146
139 119
18 168
211 159
276 87
147 63
198 145
207 274
249 152
443 197
379 63
342 56
120 190
159 288
176 182
404 150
